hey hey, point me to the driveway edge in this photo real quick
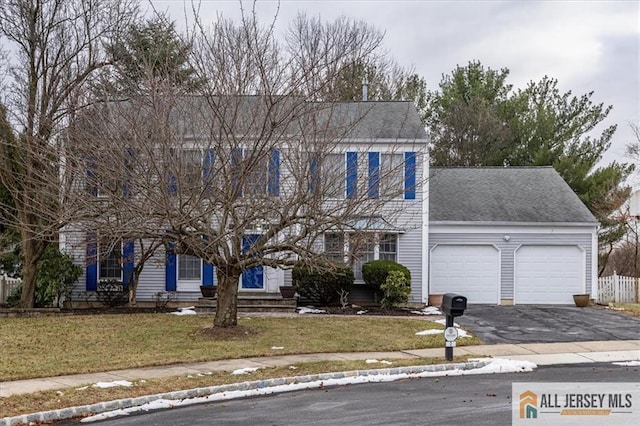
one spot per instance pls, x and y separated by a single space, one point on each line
83 410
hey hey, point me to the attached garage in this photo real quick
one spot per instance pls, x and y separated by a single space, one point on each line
548 274
471 270
509 235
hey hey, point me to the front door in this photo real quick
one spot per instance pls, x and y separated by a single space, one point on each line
253 278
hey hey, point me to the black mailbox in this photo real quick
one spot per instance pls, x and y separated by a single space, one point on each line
453 304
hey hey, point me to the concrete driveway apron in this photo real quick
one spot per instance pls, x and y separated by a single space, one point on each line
547 323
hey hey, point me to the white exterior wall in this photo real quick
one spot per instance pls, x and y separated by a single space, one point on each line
408 215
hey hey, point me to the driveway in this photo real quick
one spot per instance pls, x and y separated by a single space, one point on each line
547 323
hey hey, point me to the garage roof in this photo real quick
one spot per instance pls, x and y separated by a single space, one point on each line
503 194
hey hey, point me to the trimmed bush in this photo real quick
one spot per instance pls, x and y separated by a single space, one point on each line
375 272
395 290
322 286
55 276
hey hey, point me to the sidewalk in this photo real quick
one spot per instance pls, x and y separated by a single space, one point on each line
539 353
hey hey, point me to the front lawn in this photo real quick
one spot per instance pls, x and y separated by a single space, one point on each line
59 345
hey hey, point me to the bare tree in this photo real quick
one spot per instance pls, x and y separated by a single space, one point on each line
250 170
58 49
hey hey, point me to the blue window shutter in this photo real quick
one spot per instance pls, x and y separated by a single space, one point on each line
208 170
352 174
127 262
273 183
314 179
374 174
91 270
207 274
170 275
410 175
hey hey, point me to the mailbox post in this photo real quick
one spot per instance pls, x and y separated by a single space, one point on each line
453 305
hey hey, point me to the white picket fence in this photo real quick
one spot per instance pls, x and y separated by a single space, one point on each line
617 289
6 285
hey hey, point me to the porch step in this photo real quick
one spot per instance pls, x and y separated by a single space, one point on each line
252 302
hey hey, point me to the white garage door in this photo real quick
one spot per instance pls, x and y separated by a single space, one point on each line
472 271
548 274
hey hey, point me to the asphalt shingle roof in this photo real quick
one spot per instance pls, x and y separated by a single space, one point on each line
504 194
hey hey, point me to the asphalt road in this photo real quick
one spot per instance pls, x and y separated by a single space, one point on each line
547 324
476 400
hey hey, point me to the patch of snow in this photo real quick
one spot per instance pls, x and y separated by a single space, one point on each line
429 310
461 332
464 333
113 384
494 366
189 310
83 388
293 367
443 321
628 363
429 332
375 361
277 348
362 312
245 370
308 310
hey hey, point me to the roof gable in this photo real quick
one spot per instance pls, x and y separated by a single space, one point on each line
504 194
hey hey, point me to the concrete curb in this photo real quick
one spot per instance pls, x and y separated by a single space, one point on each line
84 410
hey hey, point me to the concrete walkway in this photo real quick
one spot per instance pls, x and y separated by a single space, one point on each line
539 353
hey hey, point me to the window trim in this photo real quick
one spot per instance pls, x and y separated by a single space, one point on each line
377 240
188 280
99 262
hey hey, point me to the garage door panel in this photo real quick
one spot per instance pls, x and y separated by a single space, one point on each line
548 274
472 271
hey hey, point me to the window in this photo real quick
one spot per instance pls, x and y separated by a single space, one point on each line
110 260
389 247
334 247
189 267
360 248
256 173
391 175
332 175
191 168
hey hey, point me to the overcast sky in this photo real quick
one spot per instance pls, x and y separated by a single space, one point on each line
587 45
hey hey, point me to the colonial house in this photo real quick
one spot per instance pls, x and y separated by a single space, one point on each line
509 235
378 167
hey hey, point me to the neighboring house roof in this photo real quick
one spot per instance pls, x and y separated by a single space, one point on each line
504 194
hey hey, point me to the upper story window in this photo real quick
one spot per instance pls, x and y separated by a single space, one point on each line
191 168
332 175
391 175
256 173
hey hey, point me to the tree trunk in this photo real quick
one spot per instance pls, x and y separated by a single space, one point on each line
32 251
227 304
133 287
